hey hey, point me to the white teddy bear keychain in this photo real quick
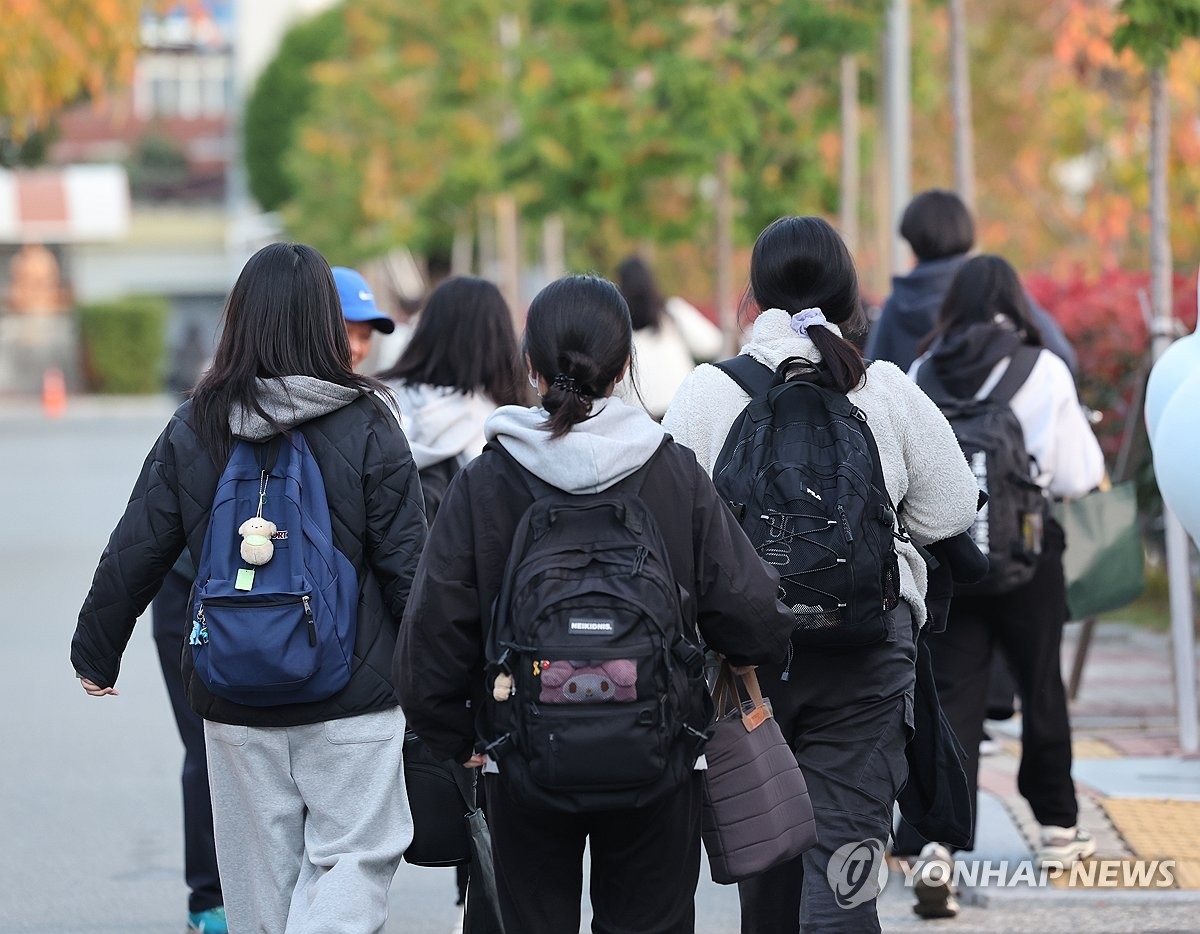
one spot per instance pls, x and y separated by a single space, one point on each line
257 547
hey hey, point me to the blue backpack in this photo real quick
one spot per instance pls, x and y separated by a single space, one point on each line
279 632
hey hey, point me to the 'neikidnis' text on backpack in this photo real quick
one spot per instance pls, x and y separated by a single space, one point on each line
801 471
281 632
607 707
1008 527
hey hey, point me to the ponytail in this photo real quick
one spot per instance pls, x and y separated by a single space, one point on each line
578 337
840 359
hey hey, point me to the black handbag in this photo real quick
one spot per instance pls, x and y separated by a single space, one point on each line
440 795
449 830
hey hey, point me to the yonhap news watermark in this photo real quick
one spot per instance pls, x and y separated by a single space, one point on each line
858 872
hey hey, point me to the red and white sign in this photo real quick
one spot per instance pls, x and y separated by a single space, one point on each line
75 204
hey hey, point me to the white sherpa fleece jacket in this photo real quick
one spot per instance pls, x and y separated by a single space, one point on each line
923 467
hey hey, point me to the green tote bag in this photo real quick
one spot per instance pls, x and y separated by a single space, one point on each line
1104 562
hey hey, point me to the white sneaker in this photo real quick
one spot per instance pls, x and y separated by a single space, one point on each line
932 886
1065 845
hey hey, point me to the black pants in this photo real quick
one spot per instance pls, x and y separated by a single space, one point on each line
645 864
848 715
172 624
1026 625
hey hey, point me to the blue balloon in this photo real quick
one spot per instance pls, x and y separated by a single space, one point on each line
1180 361
1177 455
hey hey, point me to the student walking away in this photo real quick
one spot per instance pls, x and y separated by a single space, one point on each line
670 337
362 315
552 632
984 352
172 621
844 695
461 363
288 481
939 229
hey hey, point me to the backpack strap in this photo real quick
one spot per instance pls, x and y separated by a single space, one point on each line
1020 365
754 378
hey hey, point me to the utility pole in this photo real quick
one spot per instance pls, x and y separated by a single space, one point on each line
848 208
898 109
960 100
1179 575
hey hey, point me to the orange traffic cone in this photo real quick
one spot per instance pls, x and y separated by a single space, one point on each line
54 392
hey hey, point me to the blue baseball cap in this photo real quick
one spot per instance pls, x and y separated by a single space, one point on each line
358 301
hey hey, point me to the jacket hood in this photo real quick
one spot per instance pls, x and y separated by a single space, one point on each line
964 359
595 454
291 401
916 297
441 422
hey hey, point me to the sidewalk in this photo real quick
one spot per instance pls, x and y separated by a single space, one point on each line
1139 798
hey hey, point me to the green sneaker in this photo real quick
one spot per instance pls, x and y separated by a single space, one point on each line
208 922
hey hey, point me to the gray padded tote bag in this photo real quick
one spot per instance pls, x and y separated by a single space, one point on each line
757 813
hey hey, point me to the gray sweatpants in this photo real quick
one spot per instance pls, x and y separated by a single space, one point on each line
310 822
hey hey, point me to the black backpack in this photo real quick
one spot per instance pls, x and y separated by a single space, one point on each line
608 705
801 471
1008 527
435 482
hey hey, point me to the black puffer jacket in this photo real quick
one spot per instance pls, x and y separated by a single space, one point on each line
378 523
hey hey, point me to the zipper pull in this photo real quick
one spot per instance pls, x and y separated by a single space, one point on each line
640 560
312 625
846 531
787 669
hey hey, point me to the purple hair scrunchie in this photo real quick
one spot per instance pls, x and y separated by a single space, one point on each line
809 317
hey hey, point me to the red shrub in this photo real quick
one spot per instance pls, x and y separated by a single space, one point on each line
1103 319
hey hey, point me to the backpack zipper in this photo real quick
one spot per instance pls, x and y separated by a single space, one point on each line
640 559
847 532
786 674
312 624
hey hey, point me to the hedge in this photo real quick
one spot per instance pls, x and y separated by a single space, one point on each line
124 345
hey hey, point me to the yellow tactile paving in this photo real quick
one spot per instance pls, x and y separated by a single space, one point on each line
1088 748
1155 828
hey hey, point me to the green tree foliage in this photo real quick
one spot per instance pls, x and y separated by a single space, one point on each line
611 112
1153 29
403 133
625 107
282 95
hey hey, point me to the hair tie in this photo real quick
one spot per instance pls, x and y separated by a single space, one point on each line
566 383
808 318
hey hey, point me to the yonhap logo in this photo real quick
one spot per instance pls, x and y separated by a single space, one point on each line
857 872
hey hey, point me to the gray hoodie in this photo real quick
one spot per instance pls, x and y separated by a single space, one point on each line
291 401
597 453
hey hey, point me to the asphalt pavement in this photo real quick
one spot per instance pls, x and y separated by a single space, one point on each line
90 815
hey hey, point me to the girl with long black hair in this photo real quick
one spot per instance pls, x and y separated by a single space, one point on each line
848 713
309 807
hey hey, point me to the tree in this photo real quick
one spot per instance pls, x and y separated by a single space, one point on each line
56 52
281 98
403 134
1153 29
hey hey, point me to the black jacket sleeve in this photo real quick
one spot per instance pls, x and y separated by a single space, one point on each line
141 550
395 514
439 654
739 612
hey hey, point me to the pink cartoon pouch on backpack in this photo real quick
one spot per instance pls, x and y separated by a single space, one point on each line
589 682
